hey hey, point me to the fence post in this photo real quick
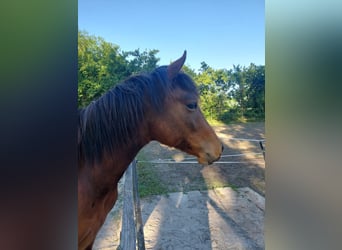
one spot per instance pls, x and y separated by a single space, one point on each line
132 226
139 223
128 233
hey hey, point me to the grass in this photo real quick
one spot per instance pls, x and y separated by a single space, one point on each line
220 185
148 181
150 184
214 122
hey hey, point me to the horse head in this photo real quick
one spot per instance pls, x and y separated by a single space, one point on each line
181 123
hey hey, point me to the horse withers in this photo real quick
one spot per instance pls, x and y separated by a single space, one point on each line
160 106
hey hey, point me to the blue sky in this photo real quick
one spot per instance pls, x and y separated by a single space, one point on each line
219 32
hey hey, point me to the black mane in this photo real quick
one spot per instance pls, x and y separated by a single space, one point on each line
113 120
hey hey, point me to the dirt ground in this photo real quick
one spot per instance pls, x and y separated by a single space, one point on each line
217 219
226 197
187 177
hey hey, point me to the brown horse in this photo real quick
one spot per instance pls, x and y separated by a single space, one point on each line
160 106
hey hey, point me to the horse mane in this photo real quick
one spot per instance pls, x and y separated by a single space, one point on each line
113 120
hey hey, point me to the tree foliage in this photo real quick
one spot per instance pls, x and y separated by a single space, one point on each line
145 61
225 94
102 65
229 95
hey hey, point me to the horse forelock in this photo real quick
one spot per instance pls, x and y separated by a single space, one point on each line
185 82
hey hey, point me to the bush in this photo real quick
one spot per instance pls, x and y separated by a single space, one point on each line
230 115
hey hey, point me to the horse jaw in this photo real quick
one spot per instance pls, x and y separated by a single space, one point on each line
206 152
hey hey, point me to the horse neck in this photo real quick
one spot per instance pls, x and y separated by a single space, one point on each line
111 164
119 161
114 164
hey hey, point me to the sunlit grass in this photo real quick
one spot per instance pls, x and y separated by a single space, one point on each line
214 122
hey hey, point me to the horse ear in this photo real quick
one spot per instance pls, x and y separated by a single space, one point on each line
174 68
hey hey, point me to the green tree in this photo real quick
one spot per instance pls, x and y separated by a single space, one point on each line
212 86
188 70
247 87
237 85
225 95
255 77
139 62
100 67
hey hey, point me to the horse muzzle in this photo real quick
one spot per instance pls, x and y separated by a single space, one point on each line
209 158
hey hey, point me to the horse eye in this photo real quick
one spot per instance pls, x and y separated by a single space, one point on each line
192 106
